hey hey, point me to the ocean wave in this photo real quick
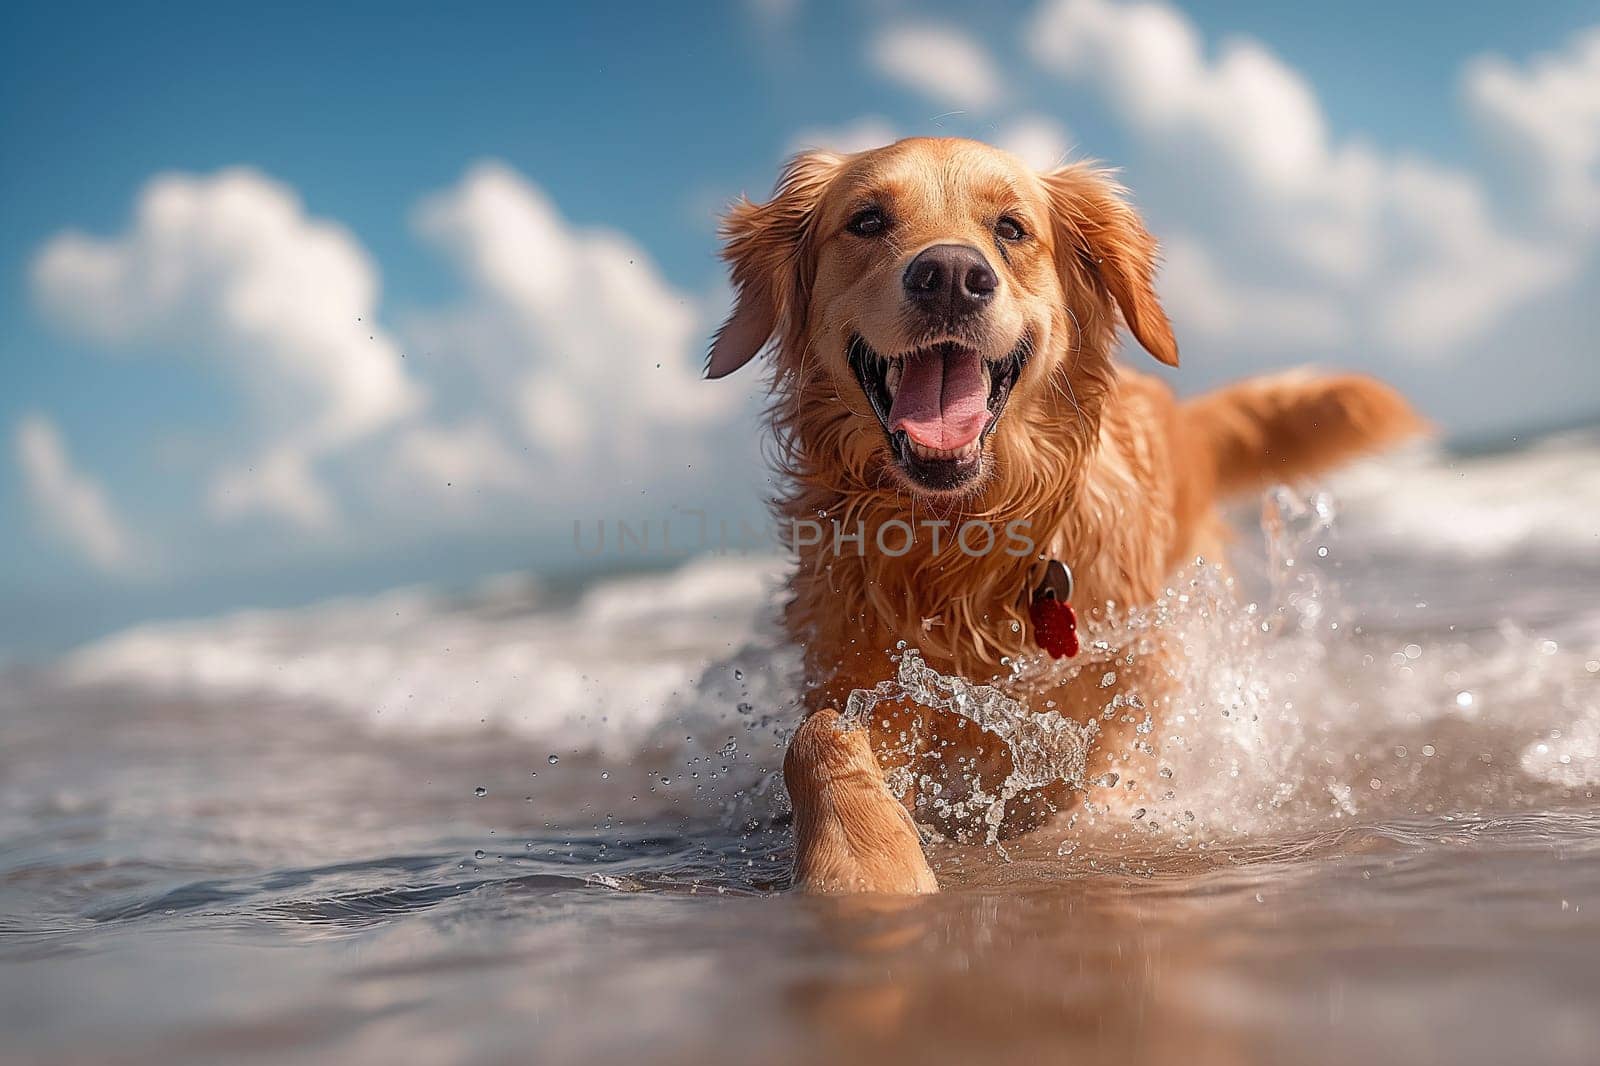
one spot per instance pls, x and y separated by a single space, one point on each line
599 673
1540 500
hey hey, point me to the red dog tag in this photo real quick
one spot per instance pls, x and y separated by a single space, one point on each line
1055 624
1055 627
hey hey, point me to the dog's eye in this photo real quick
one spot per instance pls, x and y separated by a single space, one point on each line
1009 229
867 223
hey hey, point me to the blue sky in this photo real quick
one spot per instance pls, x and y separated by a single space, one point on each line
518 205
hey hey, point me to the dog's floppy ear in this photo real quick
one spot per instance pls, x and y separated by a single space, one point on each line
764 244
1095 222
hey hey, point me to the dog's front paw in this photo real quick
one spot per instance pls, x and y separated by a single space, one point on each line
851 834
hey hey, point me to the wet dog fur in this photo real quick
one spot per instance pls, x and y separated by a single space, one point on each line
1110 471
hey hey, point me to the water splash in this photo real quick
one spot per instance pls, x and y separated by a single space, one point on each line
1286 711
1046 747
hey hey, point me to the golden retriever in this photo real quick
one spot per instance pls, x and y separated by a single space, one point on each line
942 322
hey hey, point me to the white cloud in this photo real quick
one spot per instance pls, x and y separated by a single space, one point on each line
1150 60
230 269
857 135
1037 140
1293 224
575 334
1454 272
278 482
568 373
940 62
472 456
1546 120
1204 303
69 503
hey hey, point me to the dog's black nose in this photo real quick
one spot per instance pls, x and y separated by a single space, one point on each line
950 280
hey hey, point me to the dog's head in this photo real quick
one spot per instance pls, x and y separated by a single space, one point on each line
946 284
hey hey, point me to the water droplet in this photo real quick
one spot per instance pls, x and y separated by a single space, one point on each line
1108 679
738 675
1463 700
1166 771
552 760
1138 814
479 855
1107 780
480 791
1549 647
1429 750
1322 551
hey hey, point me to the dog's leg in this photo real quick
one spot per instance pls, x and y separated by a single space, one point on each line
851 834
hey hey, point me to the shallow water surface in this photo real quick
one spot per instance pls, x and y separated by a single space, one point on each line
514 826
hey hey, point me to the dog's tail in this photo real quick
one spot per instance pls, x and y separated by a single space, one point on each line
1293 425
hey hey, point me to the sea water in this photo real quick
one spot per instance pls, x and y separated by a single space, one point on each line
521 824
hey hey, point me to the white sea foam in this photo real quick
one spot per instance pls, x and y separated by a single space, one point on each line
1539 500
600 673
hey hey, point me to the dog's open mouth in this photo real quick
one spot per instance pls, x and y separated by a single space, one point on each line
937 405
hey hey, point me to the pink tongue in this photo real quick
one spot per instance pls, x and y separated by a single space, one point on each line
942 402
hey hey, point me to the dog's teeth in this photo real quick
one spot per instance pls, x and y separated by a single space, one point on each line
964 452
891 378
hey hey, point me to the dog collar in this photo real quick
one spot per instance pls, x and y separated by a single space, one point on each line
1055 624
